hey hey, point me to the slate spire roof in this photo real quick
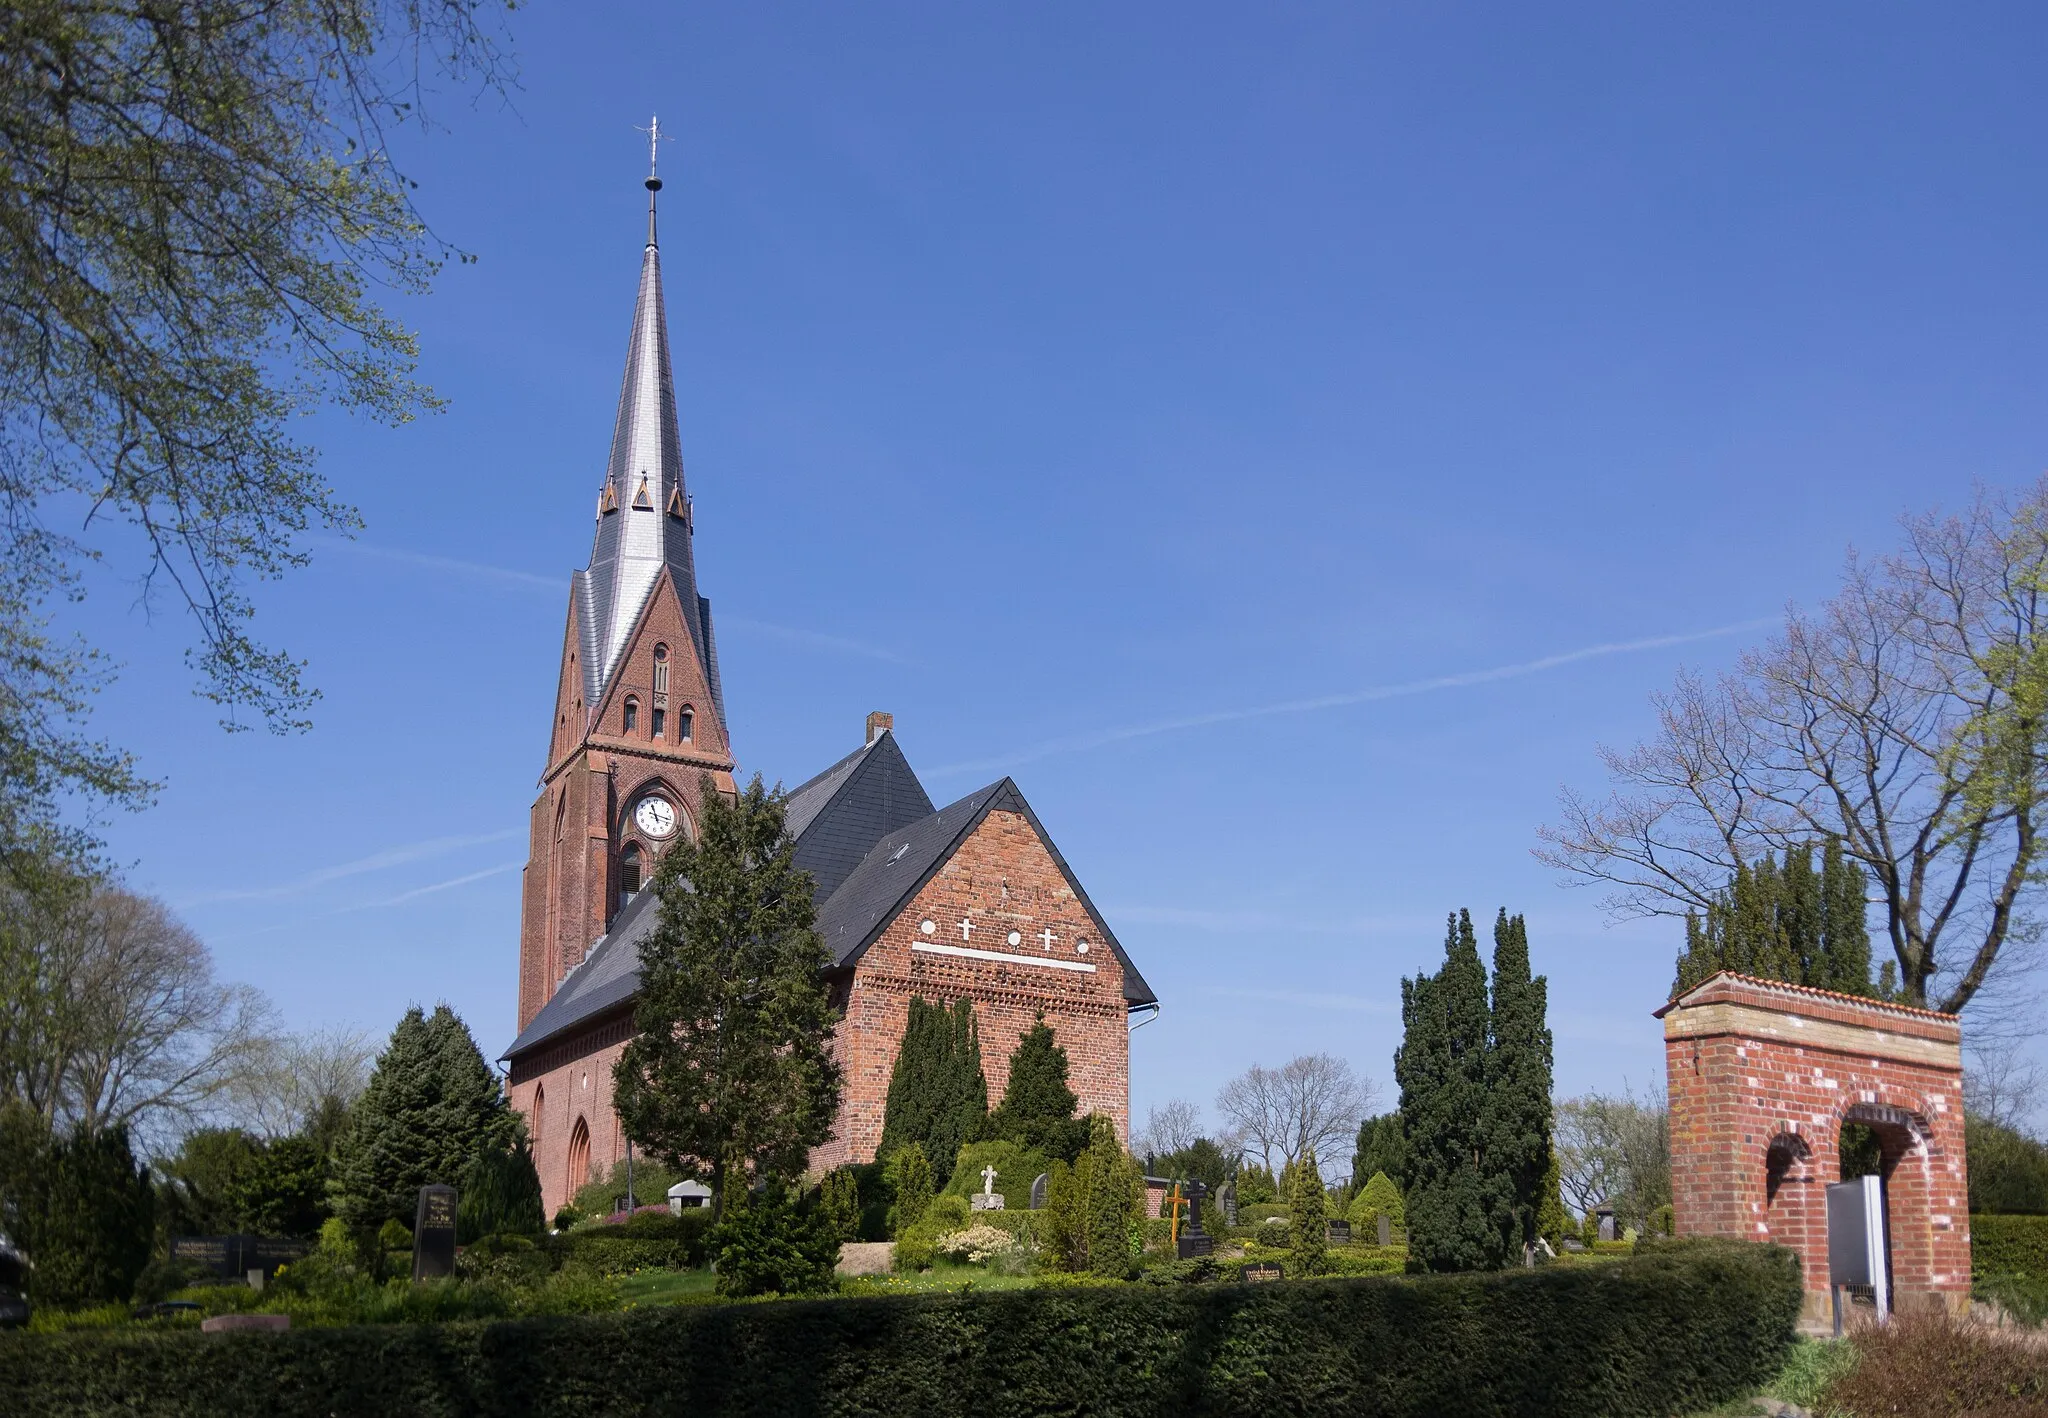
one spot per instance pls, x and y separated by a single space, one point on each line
644 521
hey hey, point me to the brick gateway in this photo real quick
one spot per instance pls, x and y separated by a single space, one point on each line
1762 1076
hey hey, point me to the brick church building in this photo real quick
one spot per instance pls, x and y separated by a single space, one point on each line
970 900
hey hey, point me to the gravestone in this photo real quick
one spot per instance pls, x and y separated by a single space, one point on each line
233 1257
1386 1229
433 1233
1194 1241
1606 1215
1227 1199
1258 1274
1340 1232
1038 1191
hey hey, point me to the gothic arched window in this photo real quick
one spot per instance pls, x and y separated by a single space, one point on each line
629 870
684 724
632 715
660 719
540 1114
661 669
579 1157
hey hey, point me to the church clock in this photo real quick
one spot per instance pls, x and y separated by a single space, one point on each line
655 816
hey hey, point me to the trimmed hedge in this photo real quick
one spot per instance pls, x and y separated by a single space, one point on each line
2009 1245
651 1241
1683 1329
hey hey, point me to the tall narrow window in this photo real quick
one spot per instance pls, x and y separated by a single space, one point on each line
686 722
632 715
660 718
540 1115
579 1157
629 871
661 669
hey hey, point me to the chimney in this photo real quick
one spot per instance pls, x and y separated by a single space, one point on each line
879 723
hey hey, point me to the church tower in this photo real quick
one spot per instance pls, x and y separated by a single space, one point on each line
639 722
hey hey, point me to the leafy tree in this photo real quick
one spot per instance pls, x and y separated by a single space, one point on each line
1905 716
730 1066
1379 1197
224 1181
1442 1071
1200 1161
1380 1149
909 1174
1115 1200
199 199
81 1206
938 1096
839 1201
1788 923
500 1195
1038 1108
1307 1221
2008 1169
284 1192
431 1108
1516 1149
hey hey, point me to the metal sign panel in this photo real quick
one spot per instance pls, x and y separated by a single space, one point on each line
1857 1253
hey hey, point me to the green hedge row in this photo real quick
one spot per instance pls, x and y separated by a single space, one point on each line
647 1242
1684 1328
2009 1245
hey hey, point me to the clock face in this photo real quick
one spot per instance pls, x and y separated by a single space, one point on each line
655 817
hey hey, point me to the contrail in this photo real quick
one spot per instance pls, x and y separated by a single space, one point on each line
1075 743
377 861
449 885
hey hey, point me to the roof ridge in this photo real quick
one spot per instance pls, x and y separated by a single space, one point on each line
1816 991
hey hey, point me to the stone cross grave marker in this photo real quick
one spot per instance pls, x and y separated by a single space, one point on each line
1038 1186
1194 1241
433 1233
986 1199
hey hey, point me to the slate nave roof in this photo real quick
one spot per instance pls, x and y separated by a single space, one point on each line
860 801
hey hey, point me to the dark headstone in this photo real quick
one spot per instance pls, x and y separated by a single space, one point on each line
1038 1191
1606 1215
233 1257
1257 1274
1340 1231
1194 1241
433 1233
1386 1229
1227 1199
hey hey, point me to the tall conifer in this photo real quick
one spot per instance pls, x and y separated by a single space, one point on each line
1517 1145
1442 1071
938 1094
1785 922
1038 1107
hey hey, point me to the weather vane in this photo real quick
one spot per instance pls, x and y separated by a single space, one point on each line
653 132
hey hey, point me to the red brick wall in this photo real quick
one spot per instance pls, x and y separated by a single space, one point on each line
1754 1062
571 1081
1002 879
596 773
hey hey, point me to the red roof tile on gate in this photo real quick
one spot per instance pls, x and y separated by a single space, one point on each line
1808 990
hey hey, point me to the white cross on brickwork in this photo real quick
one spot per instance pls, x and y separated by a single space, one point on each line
966 929
1048 937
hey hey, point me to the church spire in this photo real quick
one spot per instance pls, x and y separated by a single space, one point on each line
644 518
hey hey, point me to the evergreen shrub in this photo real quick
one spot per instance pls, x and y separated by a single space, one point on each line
1679 1330
1016 1169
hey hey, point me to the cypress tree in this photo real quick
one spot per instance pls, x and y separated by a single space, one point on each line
1307 1216
938 1095
1785 922
1442 1071
1115 1200
1062 1223
1037 1111
431 1108
1516 1148
909 1175
81 1206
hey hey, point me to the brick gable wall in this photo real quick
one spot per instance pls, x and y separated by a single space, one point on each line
1002 878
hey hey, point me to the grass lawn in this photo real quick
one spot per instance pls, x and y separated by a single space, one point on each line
665 1287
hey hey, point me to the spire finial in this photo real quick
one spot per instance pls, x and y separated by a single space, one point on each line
653 132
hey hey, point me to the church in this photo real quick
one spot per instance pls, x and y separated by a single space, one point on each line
971 900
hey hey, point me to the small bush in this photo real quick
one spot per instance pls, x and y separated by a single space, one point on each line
652 1240
1812 1365
775 1246
394 1235
977 1245
917 1247
1932 1366
909 1179
1260 1212
513 1261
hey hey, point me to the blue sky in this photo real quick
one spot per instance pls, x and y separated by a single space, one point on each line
1288 439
